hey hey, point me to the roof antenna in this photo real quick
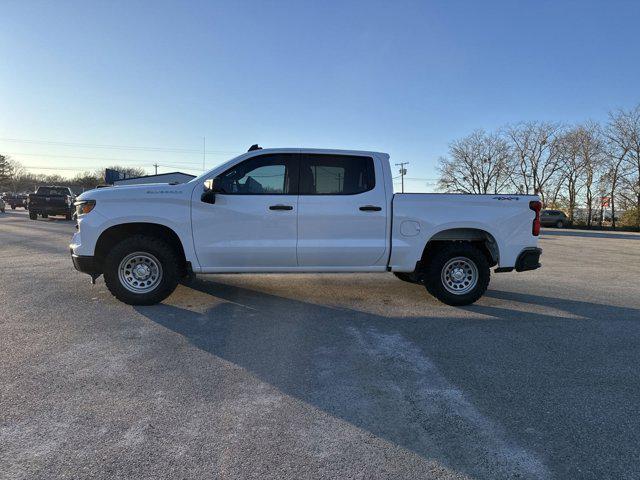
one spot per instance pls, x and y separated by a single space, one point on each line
253 147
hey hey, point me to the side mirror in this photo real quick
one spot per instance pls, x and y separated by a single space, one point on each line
208 196
211 187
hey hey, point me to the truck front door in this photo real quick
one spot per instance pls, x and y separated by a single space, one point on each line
252 224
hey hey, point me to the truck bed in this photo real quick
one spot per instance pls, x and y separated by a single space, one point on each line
420 217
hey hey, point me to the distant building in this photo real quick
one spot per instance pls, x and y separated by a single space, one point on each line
172 177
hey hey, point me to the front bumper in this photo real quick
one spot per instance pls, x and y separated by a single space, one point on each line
85 264
529 259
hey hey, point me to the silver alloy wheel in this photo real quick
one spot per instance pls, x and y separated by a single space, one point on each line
140 272
459 275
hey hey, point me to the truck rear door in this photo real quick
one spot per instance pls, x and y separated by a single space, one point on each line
342 211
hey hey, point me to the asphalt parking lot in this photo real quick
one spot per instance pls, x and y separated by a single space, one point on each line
320 376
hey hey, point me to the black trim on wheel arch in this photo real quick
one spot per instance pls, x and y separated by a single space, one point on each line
503 269
529 259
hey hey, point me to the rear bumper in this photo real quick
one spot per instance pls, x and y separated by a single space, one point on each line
85 264
50 210
529 259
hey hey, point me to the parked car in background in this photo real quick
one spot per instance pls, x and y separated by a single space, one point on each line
15 200
554 218
2 206
301 210
51 201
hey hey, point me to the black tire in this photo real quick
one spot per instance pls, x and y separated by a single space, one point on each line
13 207
67 216
33 215
45 215
405 277
165 255
433 274
560 224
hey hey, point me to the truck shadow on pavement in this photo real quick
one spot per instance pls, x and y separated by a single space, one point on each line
456 391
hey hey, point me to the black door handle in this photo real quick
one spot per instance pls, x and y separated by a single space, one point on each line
370 208
280 207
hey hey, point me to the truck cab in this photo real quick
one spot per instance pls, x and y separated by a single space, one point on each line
300 210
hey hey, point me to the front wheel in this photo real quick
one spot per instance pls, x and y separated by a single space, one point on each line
33 215
457 274
560 224
141 270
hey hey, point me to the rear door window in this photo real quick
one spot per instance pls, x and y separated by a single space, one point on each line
326 174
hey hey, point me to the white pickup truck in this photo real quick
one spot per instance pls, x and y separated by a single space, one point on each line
300 210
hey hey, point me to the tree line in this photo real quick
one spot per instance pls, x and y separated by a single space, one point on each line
16 179
592 168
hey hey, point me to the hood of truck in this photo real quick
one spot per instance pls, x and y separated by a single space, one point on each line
139 192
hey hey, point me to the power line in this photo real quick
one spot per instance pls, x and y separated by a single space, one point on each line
118 147
35 167
83 157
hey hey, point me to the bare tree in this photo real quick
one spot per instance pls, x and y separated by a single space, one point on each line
618 145
580 156
536 151
591 151
15 172
479 163
6 169
632 180
571 165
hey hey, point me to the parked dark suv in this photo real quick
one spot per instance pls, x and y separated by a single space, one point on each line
554 218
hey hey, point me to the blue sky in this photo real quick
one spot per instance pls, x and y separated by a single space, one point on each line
400 77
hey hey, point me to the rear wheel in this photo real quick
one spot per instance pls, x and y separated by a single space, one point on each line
45 215
560 224
33 215
457 274
141 270
13 207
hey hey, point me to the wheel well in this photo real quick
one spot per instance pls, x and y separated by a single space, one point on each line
483 240
112 235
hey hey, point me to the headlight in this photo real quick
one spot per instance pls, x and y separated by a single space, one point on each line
85 206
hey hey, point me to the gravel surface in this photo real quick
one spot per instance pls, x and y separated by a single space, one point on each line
320 376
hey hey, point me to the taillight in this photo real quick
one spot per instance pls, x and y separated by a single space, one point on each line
536 207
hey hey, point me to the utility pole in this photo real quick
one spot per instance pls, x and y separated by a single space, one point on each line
403 172
156 165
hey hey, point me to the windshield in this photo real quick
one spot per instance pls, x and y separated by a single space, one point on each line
207 174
